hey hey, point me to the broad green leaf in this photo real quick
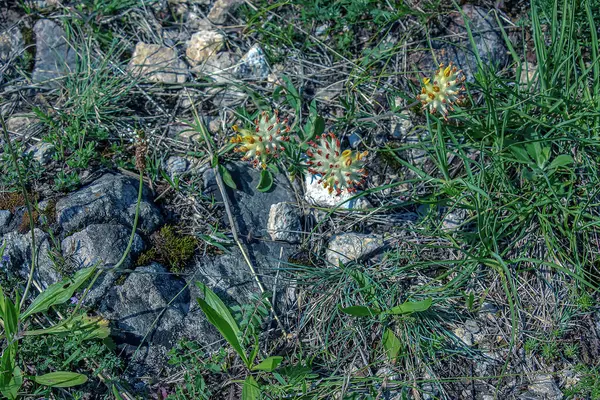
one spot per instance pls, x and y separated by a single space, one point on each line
11 389
217 304
361 311
520 154
61 379
251 389
411 307
7 364
58 293
561 161
266 181
224 328
319 126
268 364
227 177
391 344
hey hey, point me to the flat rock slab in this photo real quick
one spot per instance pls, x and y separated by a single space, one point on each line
457 47
104 244
54 57
111 198
249 206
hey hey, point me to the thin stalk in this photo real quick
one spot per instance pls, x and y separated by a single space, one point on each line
15 161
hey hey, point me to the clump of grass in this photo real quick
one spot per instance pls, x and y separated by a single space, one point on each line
170 248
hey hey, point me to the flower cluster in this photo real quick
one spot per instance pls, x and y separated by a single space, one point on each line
439 93
339 170
265 142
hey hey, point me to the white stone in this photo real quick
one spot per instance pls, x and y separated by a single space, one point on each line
464 335
156 63
203 45
543 385
317 195
347 247
284 223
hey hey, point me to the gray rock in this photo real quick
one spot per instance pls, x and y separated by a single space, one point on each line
347 247
175 166
464 335
156 63
253 65
458 49
11 44
111 198
5 216
150 304
103 244
284 223
249 206
18 251
316 194
20 124
42 152
54 57
454 219
543 387
229 276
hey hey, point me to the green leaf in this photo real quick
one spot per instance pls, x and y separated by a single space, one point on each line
520 154
84 326
561 161
11 318
61 379
266 181
116 393
251 389
319 126
411 307
224 328
11 389
227 177
361 311
268 364
217 304
391 344
58 293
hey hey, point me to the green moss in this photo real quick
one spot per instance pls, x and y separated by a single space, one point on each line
169 248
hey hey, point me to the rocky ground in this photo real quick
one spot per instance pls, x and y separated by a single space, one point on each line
81 83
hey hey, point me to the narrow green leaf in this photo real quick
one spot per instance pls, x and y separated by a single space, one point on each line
411 307
61 379
84 326
224 328
361 311
391 344
116 393
251 389
268 364
266 181
58 293
217 304
227 177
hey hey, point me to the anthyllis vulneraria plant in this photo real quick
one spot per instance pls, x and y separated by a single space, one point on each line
439 93
339 170
265 143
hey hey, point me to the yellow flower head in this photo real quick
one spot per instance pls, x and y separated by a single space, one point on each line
339 170
439 93
265 142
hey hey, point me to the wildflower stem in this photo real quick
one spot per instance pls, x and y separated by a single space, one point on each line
27 204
